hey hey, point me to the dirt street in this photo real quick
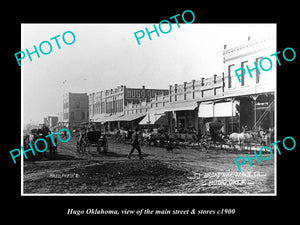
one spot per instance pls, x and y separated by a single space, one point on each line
183 171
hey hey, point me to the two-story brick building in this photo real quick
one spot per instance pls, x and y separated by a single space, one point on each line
108 106
179 110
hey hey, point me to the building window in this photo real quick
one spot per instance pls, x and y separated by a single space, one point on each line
91 111
77 105
82 115
72 116
257 75
243 77
229 75
66 105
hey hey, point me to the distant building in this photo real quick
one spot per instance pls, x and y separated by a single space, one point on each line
75 110
51 121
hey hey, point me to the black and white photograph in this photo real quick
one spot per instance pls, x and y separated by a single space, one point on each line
148 111
175 108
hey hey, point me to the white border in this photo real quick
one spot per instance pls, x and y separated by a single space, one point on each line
121 194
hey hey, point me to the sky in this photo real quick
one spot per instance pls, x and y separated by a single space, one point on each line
105 56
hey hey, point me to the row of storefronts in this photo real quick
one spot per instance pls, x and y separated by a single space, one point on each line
252 111
190 106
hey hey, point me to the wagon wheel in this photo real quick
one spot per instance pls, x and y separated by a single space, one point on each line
78 146
82 146
55 148
105 147
99 145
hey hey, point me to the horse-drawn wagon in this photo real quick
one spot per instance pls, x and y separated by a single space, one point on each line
92 139
36 134
215 136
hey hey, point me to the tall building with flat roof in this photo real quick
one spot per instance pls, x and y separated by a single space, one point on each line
75 110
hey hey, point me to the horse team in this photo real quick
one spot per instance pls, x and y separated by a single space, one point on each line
246 139
237 141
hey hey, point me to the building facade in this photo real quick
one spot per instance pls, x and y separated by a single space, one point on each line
108 106
192 105
255 95
178 110
75 110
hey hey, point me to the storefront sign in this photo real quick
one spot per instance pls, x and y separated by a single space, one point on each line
132 93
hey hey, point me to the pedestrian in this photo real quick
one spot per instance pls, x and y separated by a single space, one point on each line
135 142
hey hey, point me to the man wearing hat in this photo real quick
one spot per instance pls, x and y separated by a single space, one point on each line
135 142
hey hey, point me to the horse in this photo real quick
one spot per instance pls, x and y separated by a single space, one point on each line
242 139
122 135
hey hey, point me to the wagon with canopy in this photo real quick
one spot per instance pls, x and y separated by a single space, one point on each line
92 139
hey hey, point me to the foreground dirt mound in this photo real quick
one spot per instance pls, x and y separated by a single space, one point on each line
137 176
183 171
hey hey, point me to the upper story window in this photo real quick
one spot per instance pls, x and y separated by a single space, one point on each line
243 77
230 73
72 116
257 75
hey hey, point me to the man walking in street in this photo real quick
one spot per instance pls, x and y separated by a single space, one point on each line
135 142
